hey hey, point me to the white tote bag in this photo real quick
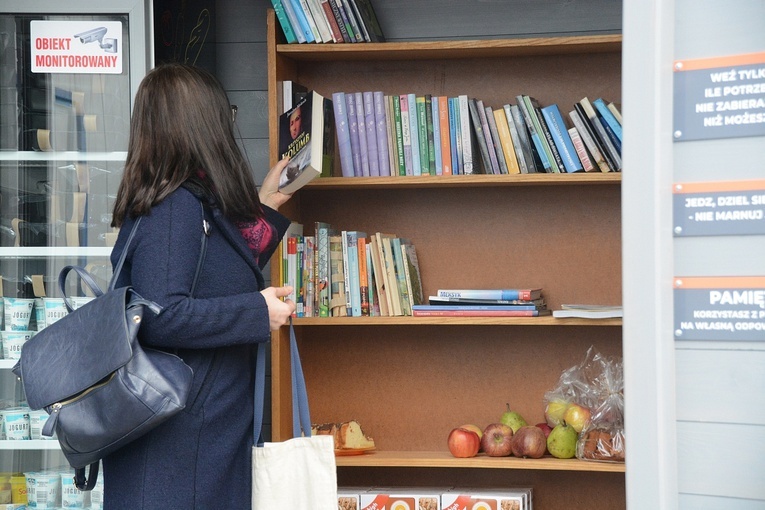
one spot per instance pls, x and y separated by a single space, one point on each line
299 473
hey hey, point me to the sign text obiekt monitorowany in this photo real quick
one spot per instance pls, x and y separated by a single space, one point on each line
76 47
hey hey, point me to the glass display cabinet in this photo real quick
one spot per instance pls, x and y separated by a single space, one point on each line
68 75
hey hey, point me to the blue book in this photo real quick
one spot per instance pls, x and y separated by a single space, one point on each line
284 21
561 138
437 135
370 127
608 116
362 128
353 129
302 21
454 136
414 133
527 294
381 128
354 282
343 134
289 10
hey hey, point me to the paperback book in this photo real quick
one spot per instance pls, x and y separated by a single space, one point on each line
306 136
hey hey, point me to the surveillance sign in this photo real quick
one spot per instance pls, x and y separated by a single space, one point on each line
76 47
720 308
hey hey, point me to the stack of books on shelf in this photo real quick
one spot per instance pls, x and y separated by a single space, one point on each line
411 134
484 303
348 273
328 21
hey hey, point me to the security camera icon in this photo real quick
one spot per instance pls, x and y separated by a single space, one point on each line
97 35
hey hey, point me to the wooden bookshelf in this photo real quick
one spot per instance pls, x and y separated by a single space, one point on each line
410 380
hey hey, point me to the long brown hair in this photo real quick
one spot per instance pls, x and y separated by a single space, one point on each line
182 125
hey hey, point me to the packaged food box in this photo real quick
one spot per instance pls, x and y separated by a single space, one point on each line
487 499
349 498
402 498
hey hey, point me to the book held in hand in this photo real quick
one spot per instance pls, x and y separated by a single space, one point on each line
304 139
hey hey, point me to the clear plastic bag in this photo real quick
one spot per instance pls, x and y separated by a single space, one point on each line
596 384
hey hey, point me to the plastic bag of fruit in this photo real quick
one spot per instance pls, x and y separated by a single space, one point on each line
575 386
602 438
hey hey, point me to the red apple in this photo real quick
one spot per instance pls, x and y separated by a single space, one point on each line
577 416
545 428
463 443
474 428
529 441
497 440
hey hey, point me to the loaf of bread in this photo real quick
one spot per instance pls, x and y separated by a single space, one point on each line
347 435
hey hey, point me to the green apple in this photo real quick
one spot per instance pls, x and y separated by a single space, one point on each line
555 410
561 443
512 419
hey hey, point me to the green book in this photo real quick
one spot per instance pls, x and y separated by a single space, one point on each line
422 134
399 137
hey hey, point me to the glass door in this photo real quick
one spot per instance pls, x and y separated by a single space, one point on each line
67 80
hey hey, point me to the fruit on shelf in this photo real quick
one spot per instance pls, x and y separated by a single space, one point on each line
554 411
463 443
561 443
497 440
475 428
544 427
577 416
529 441
512 419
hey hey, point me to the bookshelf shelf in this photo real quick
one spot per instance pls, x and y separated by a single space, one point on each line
454 49
410 380
463 181
438 459
453 321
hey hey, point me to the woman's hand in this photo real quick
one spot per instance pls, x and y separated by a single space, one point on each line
269 193
278 311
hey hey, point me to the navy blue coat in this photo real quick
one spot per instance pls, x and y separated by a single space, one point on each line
201 458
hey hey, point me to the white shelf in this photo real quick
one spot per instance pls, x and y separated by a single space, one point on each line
62 156
33 444
55 251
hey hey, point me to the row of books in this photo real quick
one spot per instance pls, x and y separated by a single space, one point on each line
328 21
410 134
484 303
339 273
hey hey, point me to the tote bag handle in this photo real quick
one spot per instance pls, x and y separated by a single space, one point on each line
301 416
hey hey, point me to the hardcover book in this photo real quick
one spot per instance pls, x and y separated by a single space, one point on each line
608 116
611 152
399 130
335 8
413 275
302 21
557 160
306 140
427 312
380 278
430 133
406 135
445 129
422 133
506 141
520 139
289 10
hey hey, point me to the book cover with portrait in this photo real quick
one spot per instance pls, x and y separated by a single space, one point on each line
306 136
